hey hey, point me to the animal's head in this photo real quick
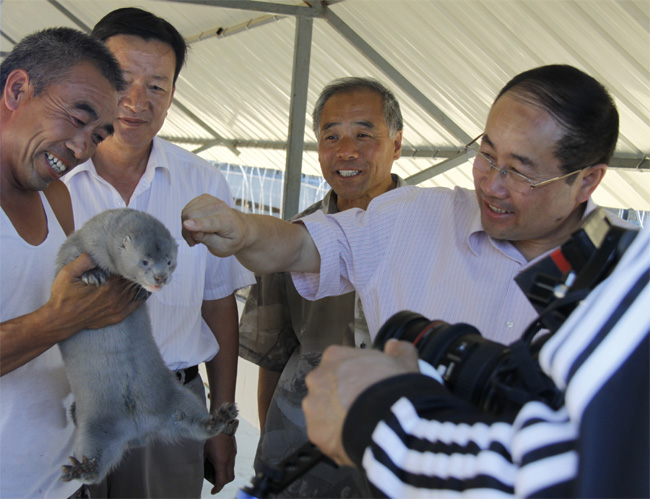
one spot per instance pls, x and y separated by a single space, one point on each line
148 255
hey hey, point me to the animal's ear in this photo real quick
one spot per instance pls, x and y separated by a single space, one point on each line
126 242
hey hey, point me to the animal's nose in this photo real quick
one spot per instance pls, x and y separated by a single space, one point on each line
160 278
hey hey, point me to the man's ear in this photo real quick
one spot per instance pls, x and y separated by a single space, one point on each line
589 180
171 99
17 87
397 142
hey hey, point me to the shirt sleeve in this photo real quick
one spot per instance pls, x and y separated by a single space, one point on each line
409 434
352 245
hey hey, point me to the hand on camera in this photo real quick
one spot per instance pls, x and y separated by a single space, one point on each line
344 373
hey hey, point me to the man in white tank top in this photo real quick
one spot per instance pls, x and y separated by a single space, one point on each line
59 95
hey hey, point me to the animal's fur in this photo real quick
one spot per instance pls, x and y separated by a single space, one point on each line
124 394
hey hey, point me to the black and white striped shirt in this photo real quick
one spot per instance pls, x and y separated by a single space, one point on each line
414 439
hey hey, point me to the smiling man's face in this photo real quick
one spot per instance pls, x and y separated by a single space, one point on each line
148 69
355 150
50 133
523 137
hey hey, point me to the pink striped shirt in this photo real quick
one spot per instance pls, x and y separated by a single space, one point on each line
421 249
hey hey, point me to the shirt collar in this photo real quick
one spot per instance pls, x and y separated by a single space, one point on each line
476 234
157 159
86 166
329 201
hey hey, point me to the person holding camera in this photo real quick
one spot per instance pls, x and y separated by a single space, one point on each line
448 254
414 438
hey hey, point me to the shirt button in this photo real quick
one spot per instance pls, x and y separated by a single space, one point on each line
510 324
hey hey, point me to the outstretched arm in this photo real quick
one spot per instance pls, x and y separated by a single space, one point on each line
262 243
73 306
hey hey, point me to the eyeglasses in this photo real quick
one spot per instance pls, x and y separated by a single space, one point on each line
511 179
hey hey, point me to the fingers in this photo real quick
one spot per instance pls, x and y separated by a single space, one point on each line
221 452
108 304
325 405
223 475
210 221
192 238
343 374
198 207
78 266
199 211
404 352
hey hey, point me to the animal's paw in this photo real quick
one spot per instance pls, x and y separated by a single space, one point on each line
94 277
84 470
227 412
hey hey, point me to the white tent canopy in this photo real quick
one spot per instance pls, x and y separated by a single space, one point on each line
255 69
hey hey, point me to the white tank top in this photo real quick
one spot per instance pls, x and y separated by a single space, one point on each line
35 429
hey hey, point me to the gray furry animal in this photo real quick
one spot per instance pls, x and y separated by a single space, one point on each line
124 393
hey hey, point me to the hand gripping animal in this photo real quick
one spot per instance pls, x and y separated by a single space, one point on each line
124 393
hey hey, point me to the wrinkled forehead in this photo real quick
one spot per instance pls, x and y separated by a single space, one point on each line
361 107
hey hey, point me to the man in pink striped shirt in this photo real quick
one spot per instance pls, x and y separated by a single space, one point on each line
448 254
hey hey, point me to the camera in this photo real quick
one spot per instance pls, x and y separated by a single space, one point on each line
498 379
477 370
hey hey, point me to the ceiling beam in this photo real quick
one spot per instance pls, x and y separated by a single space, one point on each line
268 7
217 139
297 113
82 26
437 169
584 61
622 161
630 163
362 46
277 145
222 32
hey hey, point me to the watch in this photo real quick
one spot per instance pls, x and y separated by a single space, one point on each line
231 427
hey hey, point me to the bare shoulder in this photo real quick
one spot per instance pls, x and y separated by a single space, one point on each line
59 198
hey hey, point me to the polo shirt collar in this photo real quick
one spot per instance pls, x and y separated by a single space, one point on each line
329 201
477 234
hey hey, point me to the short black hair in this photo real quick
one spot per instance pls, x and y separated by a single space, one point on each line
579 104
138 22
48 55
392 112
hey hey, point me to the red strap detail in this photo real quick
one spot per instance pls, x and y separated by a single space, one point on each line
560 261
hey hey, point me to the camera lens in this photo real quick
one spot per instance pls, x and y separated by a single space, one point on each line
407 326
466 361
